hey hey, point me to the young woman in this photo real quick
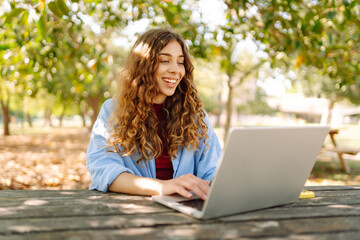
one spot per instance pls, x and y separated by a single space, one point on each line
154 137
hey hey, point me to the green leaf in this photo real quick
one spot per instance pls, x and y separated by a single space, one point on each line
347 13
41 26
24 18
346 2
63 7
309 16
318 27
353 4
53 6
169 16
15 12
331 14
4 47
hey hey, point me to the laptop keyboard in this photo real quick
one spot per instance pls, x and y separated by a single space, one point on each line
194 203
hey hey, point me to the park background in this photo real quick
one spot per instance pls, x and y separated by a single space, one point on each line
257 63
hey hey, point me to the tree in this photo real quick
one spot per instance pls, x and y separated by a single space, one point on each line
63 55
322 34
13 78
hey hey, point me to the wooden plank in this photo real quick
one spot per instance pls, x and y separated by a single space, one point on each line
113 204
296 213
82 221
333 188
321 198
86 193
118 234
40 194
49 201
77 203
341 150
54 224
68 210
105 208
339 193
317 228
324 201
51 193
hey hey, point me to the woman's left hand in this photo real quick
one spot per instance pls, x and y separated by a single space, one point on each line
184 184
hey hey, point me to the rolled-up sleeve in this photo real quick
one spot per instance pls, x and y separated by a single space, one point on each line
104 166
207 157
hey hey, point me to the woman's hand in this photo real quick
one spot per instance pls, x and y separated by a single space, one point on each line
184 184
131 184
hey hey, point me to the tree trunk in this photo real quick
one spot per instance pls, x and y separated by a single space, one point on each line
6 116
218 117
94 102
82 114
83 108
61 118
228 108
47 120
330 115
29 120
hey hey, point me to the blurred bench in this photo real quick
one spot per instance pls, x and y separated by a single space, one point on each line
340 151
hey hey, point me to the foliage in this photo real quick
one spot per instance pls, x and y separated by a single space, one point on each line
322 34
257 105
67 46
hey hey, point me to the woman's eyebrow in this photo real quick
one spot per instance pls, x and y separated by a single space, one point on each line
168 54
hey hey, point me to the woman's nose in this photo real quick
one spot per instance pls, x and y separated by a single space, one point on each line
174 67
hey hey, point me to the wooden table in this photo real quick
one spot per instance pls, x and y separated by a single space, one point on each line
334 213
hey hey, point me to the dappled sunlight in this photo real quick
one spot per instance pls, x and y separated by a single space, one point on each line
341 206
181 232
7 211
147 183
67 193
143 50
144 221
129 208
20 207
97 223
137 231
95 197
126 197
35 202
24 228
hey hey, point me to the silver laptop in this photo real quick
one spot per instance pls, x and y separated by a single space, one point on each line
260 167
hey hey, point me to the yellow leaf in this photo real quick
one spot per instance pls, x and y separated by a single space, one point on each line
42 5
299 61
217 51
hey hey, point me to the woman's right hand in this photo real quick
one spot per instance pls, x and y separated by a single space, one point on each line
184 184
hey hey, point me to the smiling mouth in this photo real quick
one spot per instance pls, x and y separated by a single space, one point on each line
168 80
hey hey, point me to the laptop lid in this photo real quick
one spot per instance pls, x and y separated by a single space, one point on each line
263 167
260 167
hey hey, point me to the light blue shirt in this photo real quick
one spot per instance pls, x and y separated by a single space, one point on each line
105 166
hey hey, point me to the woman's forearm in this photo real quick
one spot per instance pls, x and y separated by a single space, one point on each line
183 185
132 184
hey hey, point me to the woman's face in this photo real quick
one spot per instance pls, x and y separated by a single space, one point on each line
170 71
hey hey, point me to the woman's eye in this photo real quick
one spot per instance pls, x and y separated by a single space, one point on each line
182 63
164 61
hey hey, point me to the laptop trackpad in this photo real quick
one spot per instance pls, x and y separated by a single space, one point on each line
196 203
193 202
175 197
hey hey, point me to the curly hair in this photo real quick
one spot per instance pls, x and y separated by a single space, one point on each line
134 123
